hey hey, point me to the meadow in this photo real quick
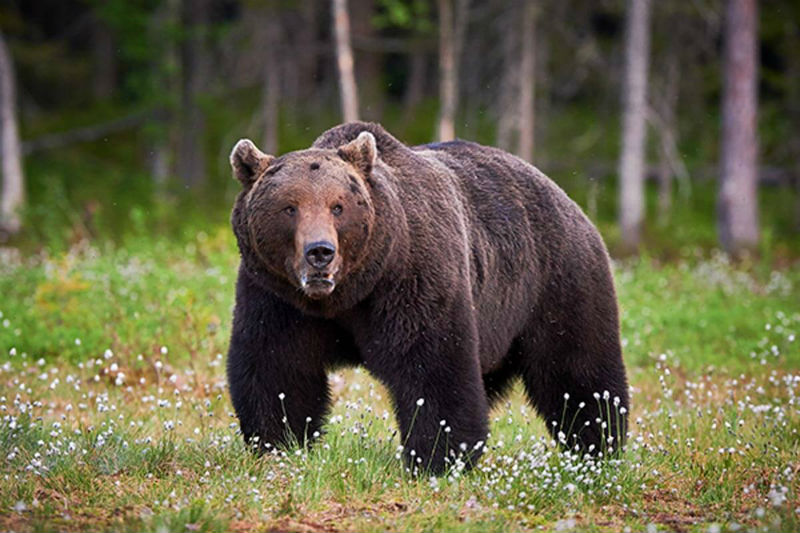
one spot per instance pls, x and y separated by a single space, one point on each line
115 414
116 291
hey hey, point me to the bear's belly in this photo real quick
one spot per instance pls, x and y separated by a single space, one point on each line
500 320
496 338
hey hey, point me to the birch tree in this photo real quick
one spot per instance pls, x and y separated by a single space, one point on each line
632 164
452 25
344 61
13 192
737 203
527 86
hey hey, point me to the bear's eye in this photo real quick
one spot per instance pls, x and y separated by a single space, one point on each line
290 210
336 210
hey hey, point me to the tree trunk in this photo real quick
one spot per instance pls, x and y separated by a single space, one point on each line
301 69
527 86
451 36
631 166
50 141
415 87
164 68
13 193
344 61
195 70
508 119
792 98
369 64
104 71
544 45
271 87
737 206
666 106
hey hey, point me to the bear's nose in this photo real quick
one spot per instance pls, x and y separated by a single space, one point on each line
319 254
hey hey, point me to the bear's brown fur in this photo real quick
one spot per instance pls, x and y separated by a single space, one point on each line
446 270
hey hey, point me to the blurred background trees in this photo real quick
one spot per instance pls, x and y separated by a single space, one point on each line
13 190
674 124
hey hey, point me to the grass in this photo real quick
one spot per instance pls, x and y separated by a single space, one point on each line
115 414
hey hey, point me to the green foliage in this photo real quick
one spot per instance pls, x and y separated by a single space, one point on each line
414 15
141 48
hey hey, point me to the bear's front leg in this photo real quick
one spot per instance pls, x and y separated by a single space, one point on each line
276 372
438 396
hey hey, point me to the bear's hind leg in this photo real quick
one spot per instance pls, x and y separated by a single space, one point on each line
581 393
438 396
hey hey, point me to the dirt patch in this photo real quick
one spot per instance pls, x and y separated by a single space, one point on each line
334 518
667 508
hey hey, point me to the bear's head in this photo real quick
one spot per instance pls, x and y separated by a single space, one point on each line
306 216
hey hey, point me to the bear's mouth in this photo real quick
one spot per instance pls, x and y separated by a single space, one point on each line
317 285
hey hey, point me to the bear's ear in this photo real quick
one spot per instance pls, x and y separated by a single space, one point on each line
361 152
248 162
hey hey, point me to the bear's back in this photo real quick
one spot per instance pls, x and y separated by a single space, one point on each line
525 235
510 198
489 175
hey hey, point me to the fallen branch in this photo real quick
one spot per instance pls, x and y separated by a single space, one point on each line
87 133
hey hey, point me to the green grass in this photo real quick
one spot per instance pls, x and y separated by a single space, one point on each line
115 414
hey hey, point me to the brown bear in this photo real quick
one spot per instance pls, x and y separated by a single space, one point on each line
447 270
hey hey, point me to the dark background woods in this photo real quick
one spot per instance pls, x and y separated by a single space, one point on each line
674 123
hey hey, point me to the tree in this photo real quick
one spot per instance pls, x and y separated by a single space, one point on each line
508 88
527 85
13 193
737 203
191 165
415 84
271 87
413 19
344 60
368 59
166 86
301 26
517 89
104 71
631 165
451 38
663 114
665 120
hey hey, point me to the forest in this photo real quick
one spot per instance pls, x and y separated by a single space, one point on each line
125 111
674 125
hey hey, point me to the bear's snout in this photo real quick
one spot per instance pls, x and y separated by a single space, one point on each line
319 254
317 269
